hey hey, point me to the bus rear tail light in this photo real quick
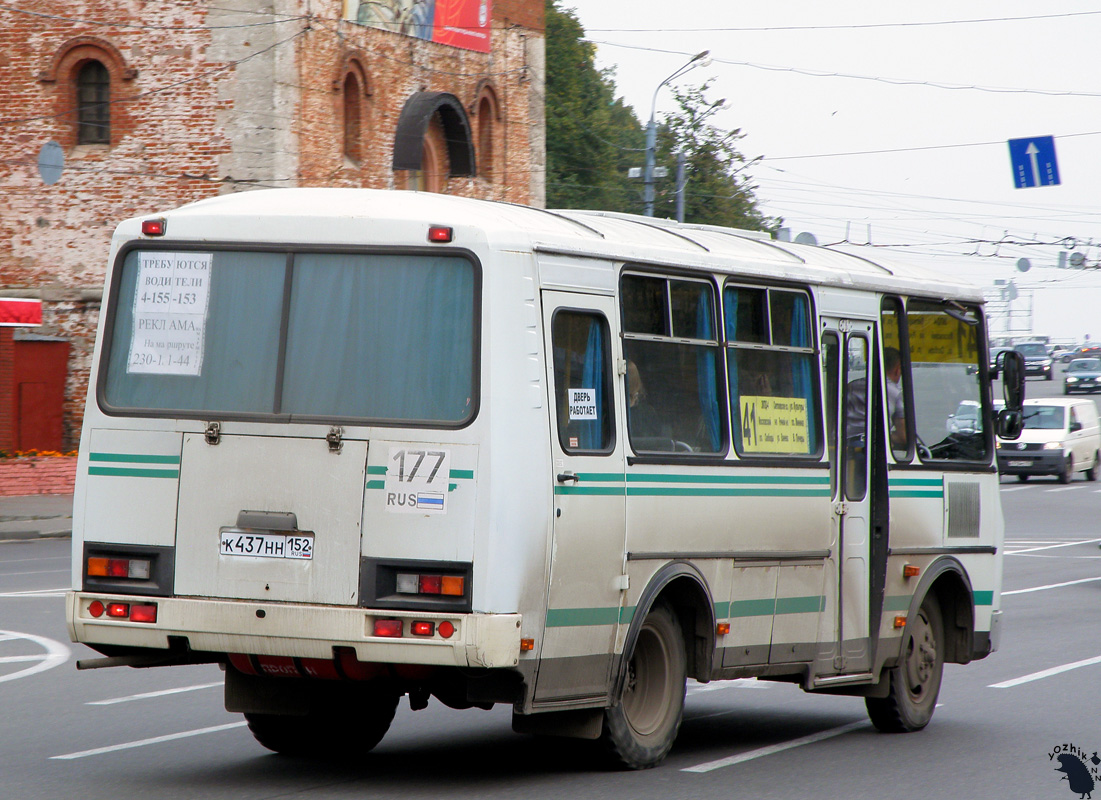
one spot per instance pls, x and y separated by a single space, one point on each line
118 610
428 583
138 569
388 627
422 628
154 227
146 612
446 629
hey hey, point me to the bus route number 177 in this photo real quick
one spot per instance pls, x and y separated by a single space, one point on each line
417 479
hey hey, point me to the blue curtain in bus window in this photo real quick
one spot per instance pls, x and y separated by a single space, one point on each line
730 315
801 366
382 337
240 341
705 374
590 431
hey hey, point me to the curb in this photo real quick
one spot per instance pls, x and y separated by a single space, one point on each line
19 536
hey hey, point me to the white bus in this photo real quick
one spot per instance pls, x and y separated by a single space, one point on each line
353 445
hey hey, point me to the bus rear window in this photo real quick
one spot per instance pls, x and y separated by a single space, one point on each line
373 337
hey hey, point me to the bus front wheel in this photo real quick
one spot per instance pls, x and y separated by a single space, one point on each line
330 731
640 729
915 680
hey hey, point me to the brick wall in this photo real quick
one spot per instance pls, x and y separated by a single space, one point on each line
24 476
205 101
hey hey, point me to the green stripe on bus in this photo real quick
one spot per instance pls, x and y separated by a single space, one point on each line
602 477
908 493
133 458
590 490
984 598
764 479
916 482
122 472
583 617
376 470
800 605
752 608
898 602
686 491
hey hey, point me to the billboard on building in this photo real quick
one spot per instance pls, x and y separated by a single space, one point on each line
459 23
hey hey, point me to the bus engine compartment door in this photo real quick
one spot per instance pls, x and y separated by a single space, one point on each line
270 518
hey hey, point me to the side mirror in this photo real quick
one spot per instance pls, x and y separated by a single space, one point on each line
1012 367
1075 426
1011 421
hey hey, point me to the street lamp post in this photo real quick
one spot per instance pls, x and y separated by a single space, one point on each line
652 133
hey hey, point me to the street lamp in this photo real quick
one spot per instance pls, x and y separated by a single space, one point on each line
652 134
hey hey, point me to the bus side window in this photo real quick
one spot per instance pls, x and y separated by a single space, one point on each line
943 341
670 339
582 382
771 371
897 391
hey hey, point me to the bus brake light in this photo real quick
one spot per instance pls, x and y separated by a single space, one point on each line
388 627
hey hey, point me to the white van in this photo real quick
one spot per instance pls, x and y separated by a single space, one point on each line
1061 436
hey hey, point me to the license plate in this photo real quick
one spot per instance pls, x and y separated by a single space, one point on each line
266 545
1020 463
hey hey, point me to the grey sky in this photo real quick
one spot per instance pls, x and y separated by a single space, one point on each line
934 94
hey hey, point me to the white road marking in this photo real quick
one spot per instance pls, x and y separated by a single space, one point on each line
1050 586
1013 489
55 655
729 761
1047 673
1053 546
36 572
143 742
37 593
147 695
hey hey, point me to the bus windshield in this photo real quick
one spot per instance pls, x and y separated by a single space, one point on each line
373 337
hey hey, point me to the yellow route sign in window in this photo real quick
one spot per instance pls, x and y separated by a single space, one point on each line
774 425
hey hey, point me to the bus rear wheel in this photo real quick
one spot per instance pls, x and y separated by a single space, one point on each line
640 729
334 731
915 680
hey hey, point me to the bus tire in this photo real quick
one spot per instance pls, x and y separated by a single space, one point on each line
915 680
334 732
641 727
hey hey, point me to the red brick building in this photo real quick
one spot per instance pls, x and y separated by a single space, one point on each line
155 104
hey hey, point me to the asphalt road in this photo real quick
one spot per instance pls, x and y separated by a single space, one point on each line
123 733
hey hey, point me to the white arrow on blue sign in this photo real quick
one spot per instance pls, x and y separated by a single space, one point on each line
1034 162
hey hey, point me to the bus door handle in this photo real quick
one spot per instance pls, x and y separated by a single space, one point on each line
563 477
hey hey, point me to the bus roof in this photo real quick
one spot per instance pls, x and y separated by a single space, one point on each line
382 217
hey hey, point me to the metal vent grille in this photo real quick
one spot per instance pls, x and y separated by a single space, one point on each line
963 510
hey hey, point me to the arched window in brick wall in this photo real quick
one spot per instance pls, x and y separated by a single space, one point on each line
93 104
353 105
353 145
88 77
487 116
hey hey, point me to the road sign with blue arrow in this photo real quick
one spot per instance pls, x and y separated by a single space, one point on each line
1034 162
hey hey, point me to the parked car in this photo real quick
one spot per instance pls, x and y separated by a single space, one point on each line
1082 375
1037 360
1062 436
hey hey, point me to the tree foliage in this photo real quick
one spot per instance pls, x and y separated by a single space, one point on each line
593 138
717 190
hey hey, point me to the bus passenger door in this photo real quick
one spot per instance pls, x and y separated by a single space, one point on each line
847 348
587 583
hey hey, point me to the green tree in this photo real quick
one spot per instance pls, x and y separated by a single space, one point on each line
717 189
593 137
